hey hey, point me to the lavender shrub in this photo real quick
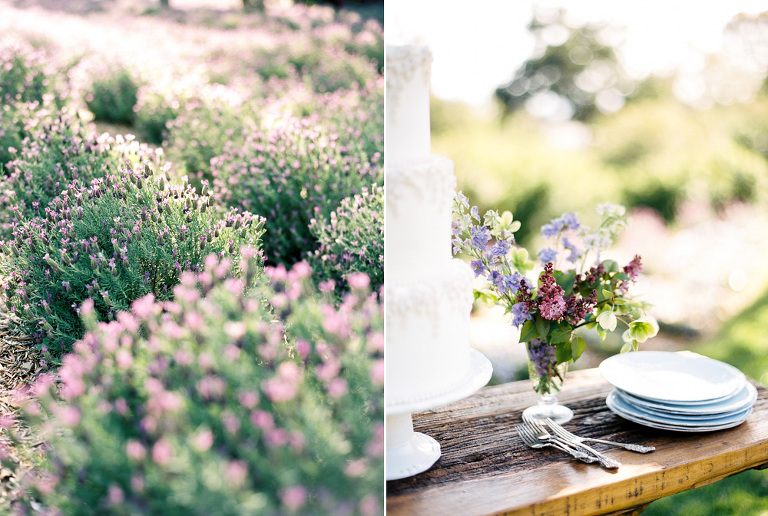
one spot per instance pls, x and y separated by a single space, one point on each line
57 150
112 240
210 405
352 241
112 94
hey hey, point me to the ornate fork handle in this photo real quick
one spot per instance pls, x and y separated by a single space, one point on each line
639 448
606 462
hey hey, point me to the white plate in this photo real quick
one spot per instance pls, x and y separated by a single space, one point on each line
744 398
671 377
675 419
675 428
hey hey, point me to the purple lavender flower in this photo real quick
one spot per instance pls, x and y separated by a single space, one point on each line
500 248
520 314
547 255
542 355
478 267
480 236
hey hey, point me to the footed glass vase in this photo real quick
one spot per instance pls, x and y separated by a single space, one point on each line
547 377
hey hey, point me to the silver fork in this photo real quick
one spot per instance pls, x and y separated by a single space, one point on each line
528 437
565 434
604 461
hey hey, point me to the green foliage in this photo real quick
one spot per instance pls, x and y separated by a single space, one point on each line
113 95
218 404
297 169
352 240
25 77
112 240
579 69
57 150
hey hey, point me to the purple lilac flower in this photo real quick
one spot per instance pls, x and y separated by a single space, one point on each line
542 355
520 314
478 267
547 255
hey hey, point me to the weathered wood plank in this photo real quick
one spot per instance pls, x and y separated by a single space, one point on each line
486 469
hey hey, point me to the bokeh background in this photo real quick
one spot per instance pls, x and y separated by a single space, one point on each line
550 107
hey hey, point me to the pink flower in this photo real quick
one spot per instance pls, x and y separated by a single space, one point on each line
262 420
235 472
356 468
303 348
203 440
121 406
230 422
293 497
162 452
377 372
249 399
66 414
358 281
123 358
301 270
144 307
116 495
370 506
337 388
235 330
135 450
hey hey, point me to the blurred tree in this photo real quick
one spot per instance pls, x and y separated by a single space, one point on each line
573 66
745 39
253 5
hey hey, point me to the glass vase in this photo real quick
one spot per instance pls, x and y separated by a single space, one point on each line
547 377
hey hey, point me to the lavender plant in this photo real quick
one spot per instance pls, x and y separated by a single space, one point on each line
57 150
112 95
576 288
112 240
289 174
210 405
352 240
25 77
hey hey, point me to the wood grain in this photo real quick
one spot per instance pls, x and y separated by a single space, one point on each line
485 468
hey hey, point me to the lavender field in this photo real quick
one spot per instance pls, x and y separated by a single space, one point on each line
191 250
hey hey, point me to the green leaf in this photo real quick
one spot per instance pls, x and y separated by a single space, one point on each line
607 294
621 276
611 266
528 331
566 281
563 352
626 347
578 346
542 326
560 334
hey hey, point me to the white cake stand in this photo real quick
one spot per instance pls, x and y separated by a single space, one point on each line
409 452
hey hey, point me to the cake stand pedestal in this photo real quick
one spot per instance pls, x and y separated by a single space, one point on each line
409 452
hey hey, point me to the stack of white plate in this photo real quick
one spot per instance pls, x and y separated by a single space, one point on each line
684 392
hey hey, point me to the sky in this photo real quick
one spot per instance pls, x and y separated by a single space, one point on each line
477 45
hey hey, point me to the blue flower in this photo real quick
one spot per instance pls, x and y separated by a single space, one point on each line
512 282
462 199
570 220
475 213
552 229
547 255
500 248
520 314
575 252
480 236
478 267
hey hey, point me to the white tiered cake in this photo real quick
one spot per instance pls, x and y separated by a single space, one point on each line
428 293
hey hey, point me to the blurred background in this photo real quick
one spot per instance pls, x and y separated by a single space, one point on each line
547 107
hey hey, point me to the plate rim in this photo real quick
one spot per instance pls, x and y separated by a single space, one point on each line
694 424
692 409
604 369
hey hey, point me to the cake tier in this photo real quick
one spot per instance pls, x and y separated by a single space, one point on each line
407 135
427 334
418 217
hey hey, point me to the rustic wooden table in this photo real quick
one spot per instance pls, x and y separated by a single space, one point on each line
486 469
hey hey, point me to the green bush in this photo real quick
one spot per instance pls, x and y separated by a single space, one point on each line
352 240
210 405
112 96
112 240
56 151
289 174
24 76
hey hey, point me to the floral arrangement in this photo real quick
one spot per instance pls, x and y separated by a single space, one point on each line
219 402
575 288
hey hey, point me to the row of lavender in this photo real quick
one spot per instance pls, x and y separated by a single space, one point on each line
191 377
